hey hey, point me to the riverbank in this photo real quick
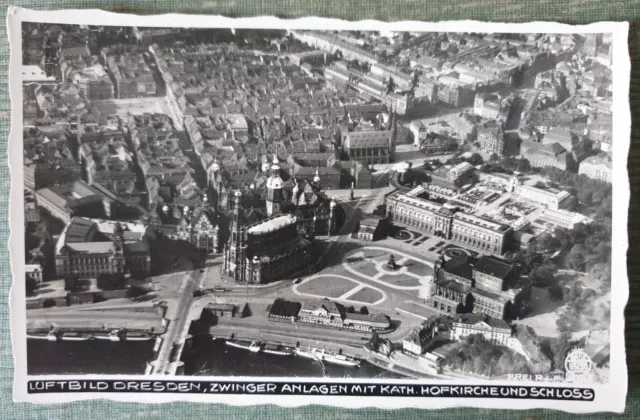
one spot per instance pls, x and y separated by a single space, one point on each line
212 357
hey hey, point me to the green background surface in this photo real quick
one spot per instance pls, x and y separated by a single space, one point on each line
565 11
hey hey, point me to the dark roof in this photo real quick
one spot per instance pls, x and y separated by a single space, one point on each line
461 267
80 230
453 285
555 148
493 266
285 308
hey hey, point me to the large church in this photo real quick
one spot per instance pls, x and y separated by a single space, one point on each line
281 243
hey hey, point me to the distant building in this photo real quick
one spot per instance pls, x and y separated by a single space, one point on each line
321 311
550 197
33 271
284 309
487 105
223 310
91 247
552 155
366 322
370 147
73 199
440 220
495 331
329 177
468 285
316 57
527 343
559 135
201 227
452 177
491 138
35 74
368 229
597 167
415 342
314 159
563 218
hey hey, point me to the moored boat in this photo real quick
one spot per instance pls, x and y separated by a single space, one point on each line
322 355
255 347
138 337
74 336
53 335
308 354
252 346
340 359
38 336
277 350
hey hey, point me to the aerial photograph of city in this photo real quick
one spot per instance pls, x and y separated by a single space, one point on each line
298 203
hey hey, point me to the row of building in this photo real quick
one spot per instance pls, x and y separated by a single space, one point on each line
327 313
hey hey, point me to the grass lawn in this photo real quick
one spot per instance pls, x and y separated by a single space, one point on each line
417 268
401 280
365 267
366 295
327 286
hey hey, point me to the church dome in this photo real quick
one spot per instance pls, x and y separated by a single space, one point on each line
274 183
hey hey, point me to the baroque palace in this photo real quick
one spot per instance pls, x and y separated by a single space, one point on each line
416 210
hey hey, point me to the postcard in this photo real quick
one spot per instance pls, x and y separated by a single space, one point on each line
315 211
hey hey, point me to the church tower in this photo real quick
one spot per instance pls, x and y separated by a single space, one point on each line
236 249
316 179
274 190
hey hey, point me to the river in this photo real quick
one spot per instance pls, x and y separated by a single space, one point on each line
204 357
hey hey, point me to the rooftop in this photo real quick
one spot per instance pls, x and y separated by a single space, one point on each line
493 266
481 221
357 139
272 224
474 319
70 195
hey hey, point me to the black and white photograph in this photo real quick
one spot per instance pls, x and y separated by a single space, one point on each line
357 205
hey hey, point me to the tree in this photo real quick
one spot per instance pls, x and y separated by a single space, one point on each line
31 286
523 166
544 274
493 157
571 203
556 292
540 184
71 283
450 145
364 310
560 348
547 243
475 159
111 281
575 260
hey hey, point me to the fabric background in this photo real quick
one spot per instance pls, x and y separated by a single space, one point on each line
565 11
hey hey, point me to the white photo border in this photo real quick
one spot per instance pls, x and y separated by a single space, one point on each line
609 397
